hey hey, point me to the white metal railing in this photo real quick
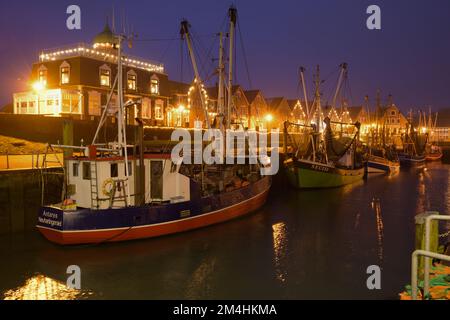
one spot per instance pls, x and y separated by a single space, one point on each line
427 255
414 269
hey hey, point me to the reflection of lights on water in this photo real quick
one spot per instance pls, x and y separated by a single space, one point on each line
421 190
279 248
199 284
44 288
376 206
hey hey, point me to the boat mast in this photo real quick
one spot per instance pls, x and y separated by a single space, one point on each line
343 67
122 132
221 95
186 35
232 13
302 77
317 98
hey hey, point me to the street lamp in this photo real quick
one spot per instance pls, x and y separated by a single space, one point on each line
38 86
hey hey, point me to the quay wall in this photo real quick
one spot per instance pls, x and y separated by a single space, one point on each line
21 194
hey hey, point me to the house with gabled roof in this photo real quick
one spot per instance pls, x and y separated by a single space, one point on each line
279 113
258 108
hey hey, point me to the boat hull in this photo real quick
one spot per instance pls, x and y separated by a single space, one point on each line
310 175
86 226
411 161
381 165
433 157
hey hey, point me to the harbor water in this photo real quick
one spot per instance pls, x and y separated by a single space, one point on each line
314 244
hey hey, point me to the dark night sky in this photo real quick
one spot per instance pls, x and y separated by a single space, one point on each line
409 57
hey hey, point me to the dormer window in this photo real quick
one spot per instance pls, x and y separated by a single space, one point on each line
154 85
132 80
64 73
42 75
105 76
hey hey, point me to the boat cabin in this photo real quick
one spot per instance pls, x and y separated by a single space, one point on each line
101 183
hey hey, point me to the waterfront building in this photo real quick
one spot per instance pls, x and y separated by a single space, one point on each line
75 81
298 112
258 109
279 112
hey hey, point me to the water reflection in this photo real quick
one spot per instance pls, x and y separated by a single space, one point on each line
200 283
279 248
40 287
376 207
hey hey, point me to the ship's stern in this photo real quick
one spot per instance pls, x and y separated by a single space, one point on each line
51 224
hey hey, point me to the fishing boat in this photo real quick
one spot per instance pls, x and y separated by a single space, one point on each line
118 192
381 157
428 126
414 144
322 161
434 153
377 164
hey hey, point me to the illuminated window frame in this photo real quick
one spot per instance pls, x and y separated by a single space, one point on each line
105 76
64 73
43 75
132 80
159 113
154 85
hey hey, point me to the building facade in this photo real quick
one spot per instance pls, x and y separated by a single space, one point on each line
76 81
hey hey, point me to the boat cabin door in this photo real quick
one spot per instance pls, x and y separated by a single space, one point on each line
156 180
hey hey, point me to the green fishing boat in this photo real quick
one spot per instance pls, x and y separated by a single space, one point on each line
315 157
305 174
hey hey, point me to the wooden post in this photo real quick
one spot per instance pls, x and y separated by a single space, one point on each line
139 174
68 137
420 236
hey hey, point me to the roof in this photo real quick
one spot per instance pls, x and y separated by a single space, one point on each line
443 118
354 112
106 36
251 95
293 102
213 92
176 87
274 103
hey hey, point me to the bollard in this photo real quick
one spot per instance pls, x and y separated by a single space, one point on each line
420 237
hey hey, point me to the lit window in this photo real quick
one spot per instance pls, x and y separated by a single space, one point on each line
65 73
94 103
154 86
43 76
159 110
105 76
131 81
146 108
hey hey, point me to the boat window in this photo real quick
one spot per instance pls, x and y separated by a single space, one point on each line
86 171
130 169
114 170
75 169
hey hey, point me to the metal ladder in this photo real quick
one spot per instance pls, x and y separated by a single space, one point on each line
94 186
